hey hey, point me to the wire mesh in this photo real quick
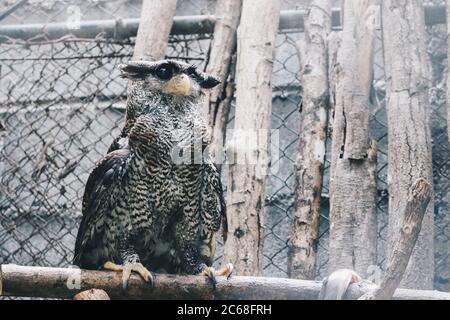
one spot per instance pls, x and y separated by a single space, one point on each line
62 103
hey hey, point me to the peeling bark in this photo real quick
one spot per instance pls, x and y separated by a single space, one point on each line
154 28
220 64
408 80
353 224
334 44
313 132
353 192
249 149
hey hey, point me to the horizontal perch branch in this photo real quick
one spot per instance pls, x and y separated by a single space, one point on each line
201 24
63 283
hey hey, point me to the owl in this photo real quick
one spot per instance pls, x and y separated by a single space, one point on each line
155 202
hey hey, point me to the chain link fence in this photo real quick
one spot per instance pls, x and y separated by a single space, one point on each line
62 103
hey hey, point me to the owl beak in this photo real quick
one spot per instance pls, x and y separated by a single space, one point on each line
179 85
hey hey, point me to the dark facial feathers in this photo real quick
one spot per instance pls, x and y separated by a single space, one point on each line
134 72
164 70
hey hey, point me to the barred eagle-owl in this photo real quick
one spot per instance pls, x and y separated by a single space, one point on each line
155 201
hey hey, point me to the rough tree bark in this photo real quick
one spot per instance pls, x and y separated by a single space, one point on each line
408 80
154 28
334 44
313 132
448 71
250 143
419 197
220 64
24 281
353 165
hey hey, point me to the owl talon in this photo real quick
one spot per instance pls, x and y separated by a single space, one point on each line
127 269
210 273
226 271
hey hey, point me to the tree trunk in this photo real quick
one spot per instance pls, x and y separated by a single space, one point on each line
24 281
448 71
220 64
419 197
408 80
313 132
353 192
250 147
154 28
334 45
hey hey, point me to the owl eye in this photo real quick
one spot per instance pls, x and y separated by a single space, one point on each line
164 72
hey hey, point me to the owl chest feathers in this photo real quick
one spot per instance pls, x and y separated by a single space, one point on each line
158 193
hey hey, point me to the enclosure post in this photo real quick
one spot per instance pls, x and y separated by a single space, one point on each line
154 28
247 173
448 70
217 101
310 160
408 81
353 164
416 206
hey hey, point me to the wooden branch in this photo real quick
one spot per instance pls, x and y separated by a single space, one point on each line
153 33
310 160
256 38
222 107
334 44
23 281
217 101
416 207
353 192
228 13
353 220
408 114
356 66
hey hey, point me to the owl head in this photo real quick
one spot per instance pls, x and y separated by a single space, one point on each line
170 78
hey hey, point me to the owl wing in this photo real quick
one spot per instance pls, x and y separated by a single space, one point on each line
101 190
213 201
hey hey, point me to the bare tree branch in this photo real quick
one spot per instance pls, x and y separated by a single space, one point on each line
251 139
409 128
310 160
353 174
154 28
23 281
416 207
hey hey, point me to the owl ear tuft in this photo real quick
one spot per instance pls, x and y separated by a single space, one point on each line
209 82
134 70
205 81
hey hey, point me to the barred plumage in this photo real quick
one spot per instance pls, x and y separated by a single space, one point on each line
146 201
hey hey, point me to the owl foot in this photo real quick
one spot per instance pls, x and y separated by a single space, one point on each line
126 270
226 271
211 273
